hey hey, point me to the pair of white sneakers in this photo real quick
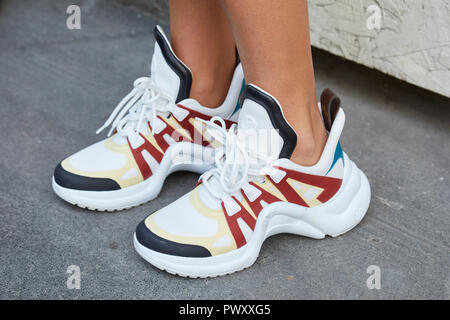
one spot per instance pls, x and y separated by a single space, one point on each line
249 189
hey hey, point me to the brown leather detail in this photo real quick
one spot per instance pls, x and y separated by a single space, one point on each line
330 104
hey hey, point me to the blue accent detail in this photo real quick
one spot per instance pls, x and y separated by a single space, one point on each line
338 154
238 106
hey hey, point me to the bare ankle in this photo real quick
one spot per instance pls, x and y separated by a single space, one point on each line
211 73
210 89
308 151
311 139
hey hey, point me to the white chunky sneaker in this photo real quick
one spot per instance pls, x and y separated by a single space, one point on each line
155 130
254 192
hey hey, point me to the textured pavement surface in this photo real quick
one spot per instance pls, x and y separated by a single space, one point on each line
58 86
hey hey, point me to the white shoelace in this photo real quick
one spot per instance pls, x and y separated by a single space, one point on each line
236 164
144 102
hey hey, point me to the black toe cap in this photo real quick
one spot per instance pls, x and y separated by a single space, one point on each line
70 180
156 243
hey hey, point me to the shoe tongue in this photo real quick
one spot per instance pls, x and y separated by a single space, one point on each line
170 74
262 124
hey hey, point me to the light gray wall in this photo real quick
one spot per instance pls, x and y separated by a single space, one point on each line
412 44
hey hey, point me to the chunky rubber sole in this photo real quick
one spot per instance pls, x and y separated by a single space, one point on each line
200 160
333 218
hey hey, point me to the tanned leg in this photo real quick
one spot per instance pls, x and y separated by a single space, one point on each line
201 37
274 46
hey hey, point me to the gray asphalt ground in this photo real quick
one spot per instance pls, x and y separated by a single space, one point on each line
58 86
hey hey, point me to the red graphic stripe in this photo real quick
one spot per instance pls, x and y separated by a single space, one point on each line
288 192
329 184
169 130
234 226
195 134
174 134
256 205
137 154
